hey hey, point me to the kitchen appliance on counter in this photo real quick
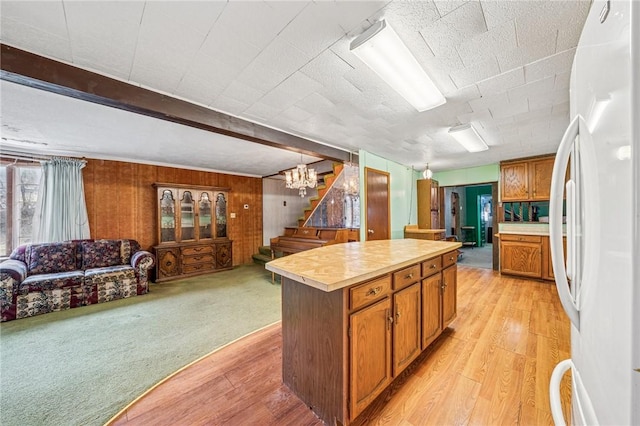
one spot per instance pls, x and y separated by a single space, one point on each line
596 284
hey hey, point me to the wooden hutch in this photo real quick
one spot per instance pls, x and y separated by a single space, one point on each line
192 231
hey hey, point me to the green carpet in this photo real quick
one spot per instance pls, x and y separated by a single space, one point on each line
81 366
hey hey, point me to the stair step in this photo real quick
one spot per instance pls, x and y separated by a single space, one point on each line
266 250
261 259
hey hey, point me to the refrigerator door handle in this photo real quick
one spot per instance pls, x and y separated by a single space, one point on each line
555 222
554 391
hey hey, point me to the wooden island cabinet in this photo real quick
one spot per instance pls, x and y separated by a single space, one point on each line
355 315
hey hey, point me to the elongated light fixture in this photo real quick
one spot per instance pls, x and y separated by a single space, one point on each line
468 137
382 50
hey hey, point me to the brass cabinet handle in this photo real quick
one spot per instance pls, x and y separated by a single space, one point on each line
433 266
408 277
374 291
389 319
451 258
397 315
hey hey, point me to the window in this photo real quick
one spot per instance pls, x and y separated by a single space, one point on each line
18 196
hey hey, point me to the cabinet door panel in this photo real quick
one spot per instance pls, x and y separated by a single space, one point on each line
431 309
406 330
168 263
521 258
515 182
449 294
370 355
540 172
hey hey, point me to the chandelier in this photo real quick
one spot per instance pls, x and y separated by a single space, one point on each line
300 178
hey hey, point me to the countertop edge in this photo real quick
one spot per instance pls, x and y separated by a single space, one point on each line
361 277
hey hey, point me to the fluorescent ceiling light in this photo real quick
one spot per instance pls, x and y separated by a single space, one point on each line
382 50
468 137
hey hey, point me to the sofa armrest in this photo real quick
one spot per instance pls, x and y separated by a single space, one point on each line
14 269
12 273
142 260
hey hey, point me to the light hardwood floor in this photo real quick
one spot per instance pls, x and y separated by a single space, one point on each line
491 367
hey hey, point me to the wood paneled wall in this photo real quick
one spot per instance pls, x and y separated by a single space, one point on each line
121 202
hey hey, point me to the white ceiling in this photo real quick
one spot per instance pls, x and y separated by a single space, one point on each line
502 65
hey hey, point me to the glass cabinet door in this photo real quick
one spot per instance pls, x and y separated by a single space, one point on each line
204 216
167 216
187 216
221 216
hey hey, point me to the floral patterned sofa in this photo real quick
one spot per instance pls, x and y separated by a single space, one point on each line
42 278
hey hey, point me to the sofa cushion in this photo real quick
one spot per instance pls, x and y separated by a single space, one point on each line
50 258
100 253
110 283
43 282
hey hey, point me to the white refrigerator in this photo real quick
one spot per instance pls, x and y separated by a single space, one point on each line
599 280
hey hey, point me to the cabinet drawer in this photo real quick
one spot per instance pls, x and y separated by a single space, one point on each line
362 294
521 238
187 251
199 267
198 258
431 266
450 258
406 276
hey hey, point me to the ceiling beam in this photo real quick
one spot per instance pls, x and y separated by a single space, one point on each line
28 69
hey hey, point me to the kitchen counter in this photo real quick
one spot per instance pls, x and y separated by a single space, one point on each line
412 231
525 228
356 315
337 266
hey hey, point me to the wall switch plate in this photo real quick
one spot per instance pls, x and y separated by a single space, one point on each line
233 215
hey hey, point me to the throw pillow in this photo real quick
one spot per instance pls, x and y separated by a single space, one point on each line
50 258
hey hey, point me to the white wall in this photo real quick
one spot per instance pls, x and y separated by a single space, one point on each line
275 215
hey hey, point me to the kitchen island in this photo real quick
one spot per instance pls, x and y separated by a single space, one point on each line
355 315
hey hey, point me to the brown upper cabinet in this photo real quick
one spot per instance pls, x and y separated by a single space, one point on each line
526 179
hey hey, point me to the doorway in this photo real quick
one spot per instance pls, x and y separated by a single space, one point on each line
377 221
470 218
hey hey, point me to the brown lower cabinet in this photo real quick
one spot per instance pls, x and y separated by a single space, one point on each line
526 255
352 343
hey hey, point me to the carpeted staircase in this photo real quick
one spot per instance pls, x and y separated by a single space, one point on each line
263 256
326 182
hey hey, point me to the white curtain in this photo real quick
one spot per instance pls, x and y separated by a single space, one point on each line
61 211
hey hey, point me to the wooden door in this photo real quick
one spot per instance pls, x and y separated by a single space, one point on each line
406 330
449 291
370 355
514 181
431 309
378 219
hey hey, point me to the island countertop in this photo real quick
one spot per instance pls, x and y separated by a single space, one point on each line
337 266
